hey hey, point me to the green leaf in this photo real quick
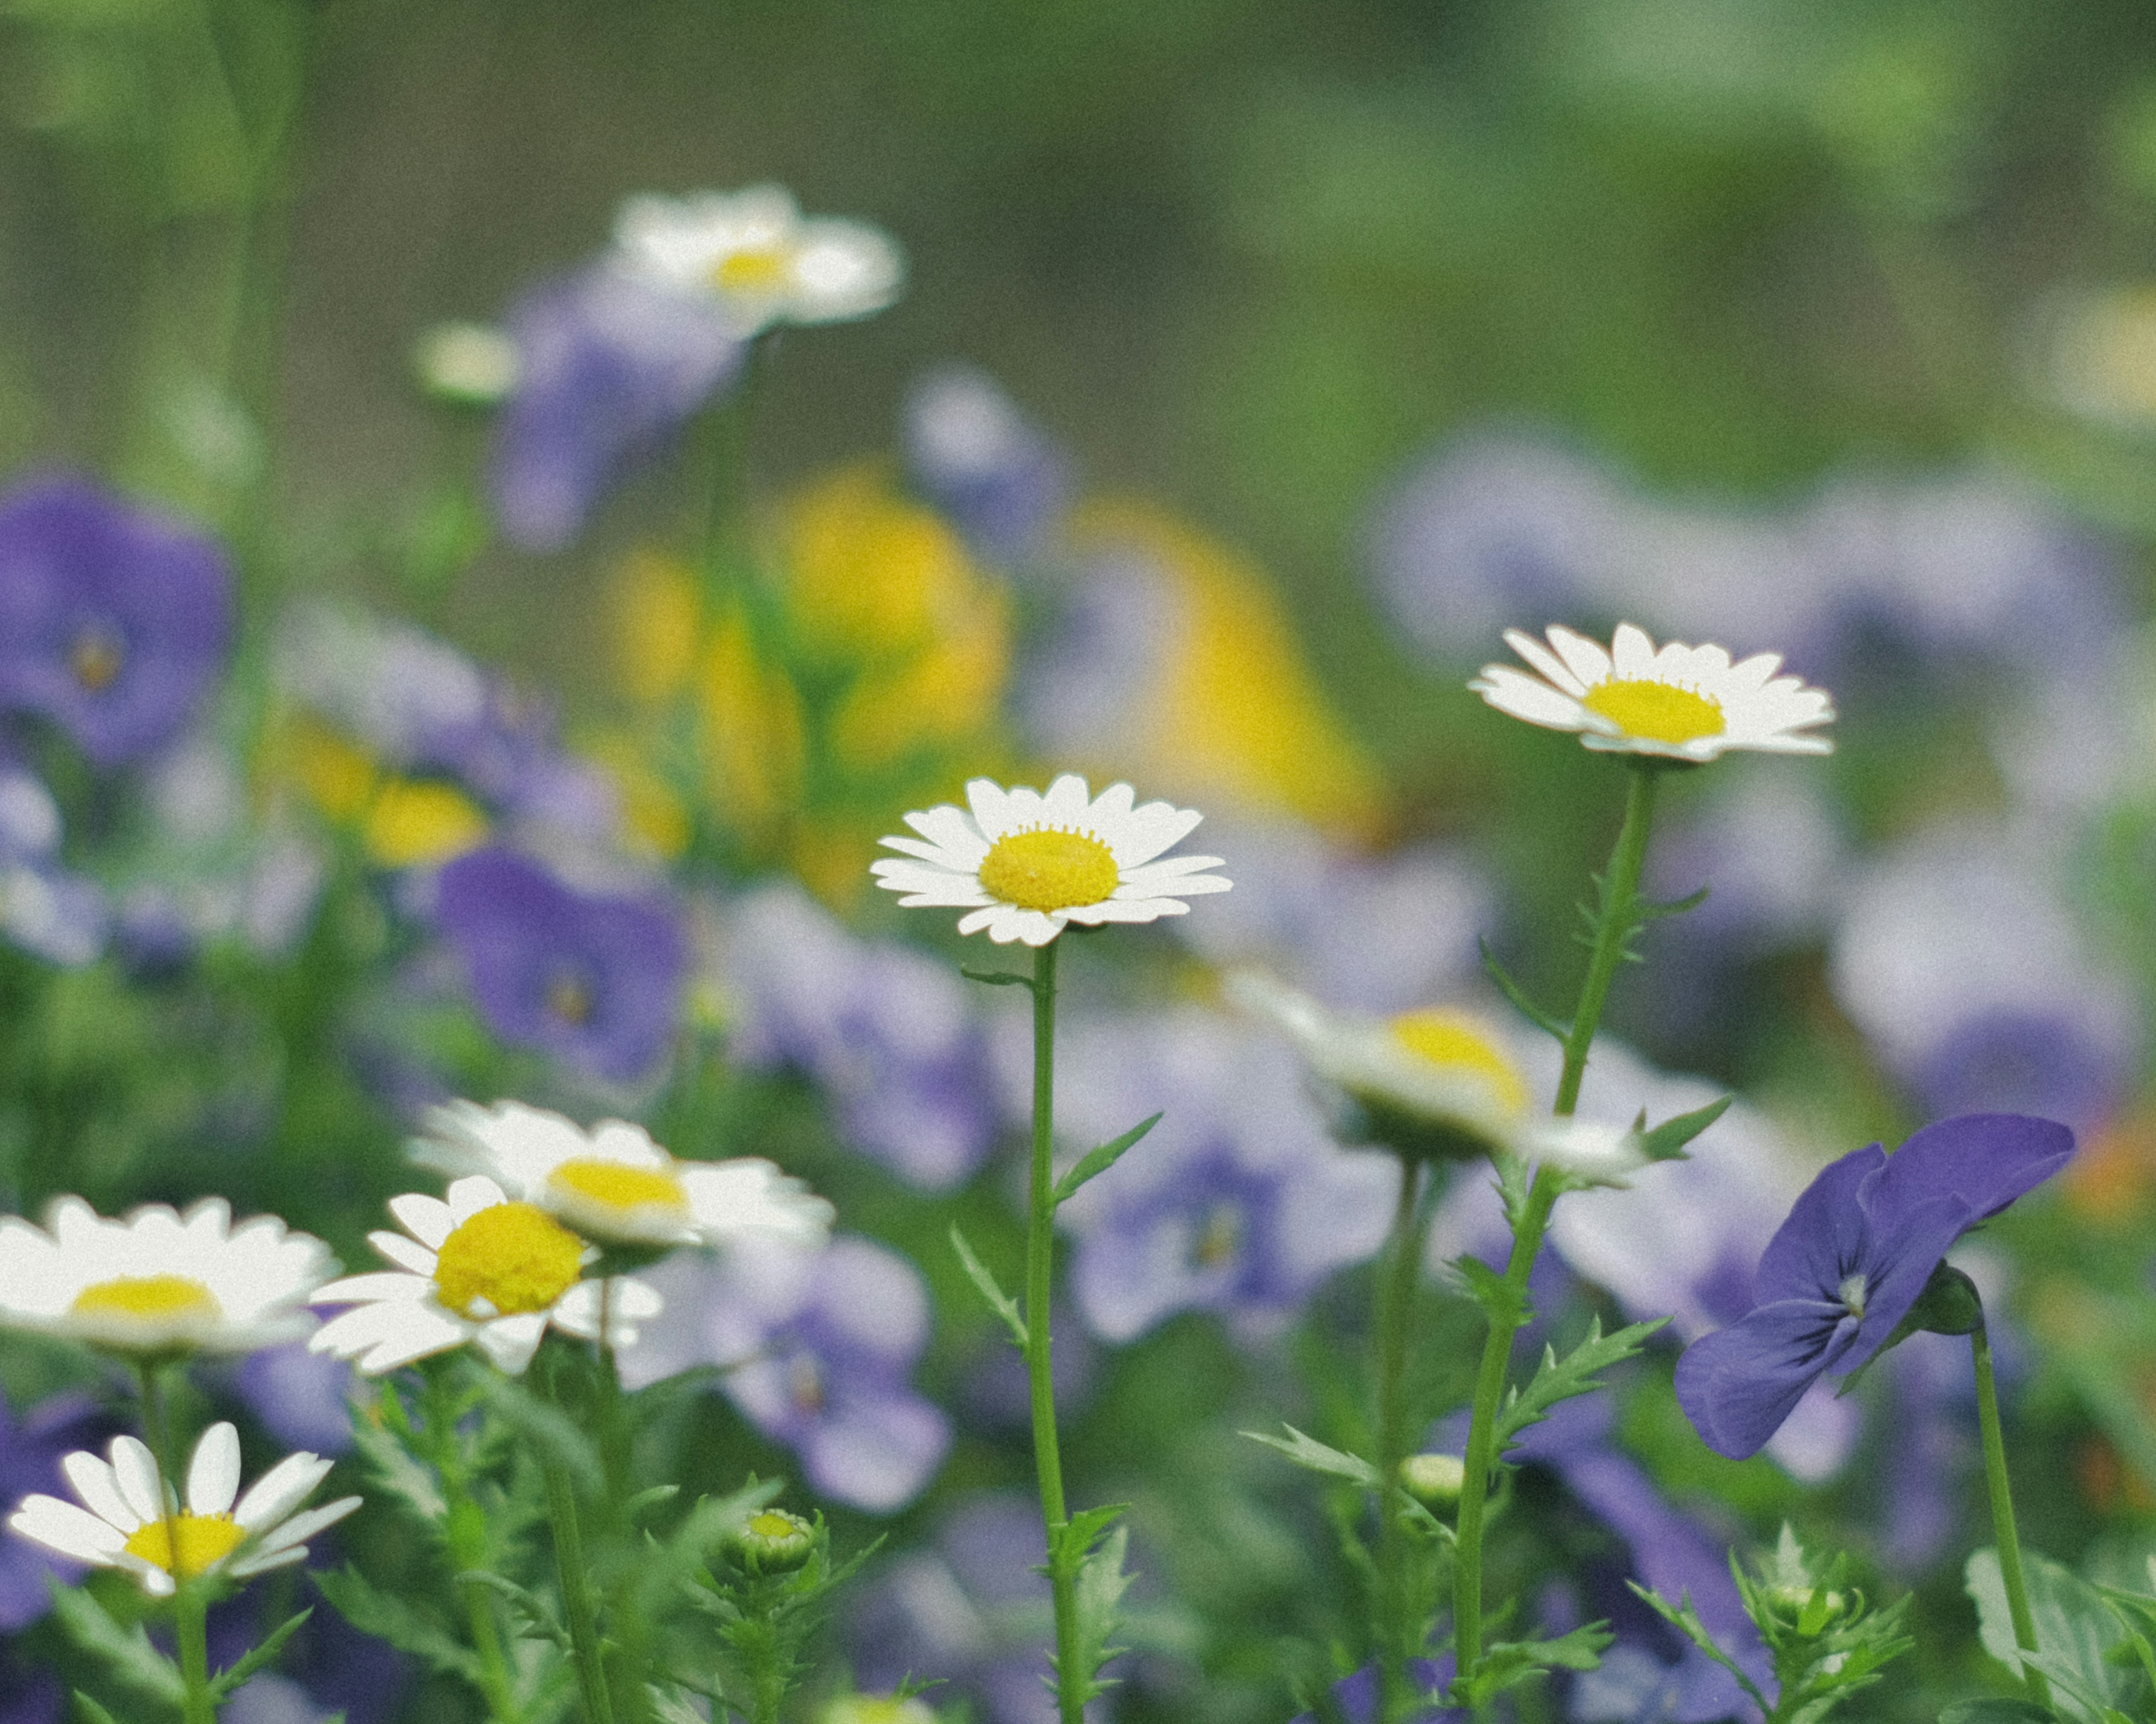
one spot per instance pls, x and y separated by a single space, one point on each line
533 1616
1998 1712
1500 1302
1098 1160
1000 1302
1097 1598
997 979
1557 1379
395 1469
1308 1452
91 1711
1681 1617
1666 1141
126 1652
1506 1663
548 1427
1517 995
2075 1626
1647 909
261 1658
388 1617
1074 1540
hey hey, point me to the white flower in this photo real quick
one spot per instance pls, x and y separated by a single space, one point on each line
1025 864
758 257
1684 702
478 1267
1441 1071
134 1521
159 1282
612 1184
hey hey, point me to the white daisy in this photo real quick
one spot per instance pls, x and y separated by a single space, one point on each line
478 1267
612 1184
1437 1081
1684 702
135 1523
1025 864
756 253
159 1282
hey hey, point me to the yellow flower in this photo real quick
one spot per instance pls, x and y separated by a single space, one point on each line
949 691
869 574
403 823
753 742
659 621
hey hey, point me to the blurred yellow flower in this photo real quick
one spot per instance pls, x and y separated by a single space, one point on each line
869 574
658 617
402 823
654 815
949 691
753 732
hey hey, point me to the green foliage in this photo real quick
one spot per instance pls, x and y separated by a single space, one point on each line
1559 1379
1100 1583
1308 1452
124 1651
260 1658
405 1625
1666 1141
2094 1645
1000 1302
1506 1663
1099 1159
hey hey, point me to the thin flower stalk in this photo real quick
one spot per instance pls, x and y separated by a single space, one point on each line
190 1610
2002 1513
1398 1633
464 1535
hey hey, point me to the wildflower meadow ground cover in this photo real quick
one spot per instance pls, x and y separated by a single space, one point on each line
1114 865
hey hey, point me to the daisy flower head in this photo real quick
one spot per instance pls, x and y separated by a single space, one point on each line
758 257
131 1519
156 1282
1677 702
615 1185
481 1267
1024 865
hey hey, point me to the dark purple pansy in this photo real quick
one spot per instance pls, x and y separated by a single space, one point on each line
30 1452
593 977
1848 1262
114 619
610 367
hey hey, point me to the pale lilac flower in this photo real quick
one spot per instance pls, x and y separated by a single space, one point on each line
46 908
978 459
31 1449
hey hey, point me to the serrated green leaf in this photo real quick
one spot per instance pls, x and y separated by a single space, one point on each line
666 1564
1072 1543
1097 1598
1683 1618
2076 1629
1557 1379
534 1616
549 1428
1000 1302
1666 1141
1500 1302
261 1658
126 1652
1517 995
1099 1159
389 1618
1506 1663
1308 1452
91 1711
1998 1712
396 1472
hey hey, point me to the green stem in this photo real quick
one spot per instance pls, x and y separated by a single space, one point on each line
1039 1277
1396 1289
577 1594
464 1535
729 547
1620 892
191 1620
2002 1512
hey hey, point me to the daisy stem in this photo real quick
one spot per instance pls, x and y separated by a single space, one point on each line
2002 1512
1039 1277
576 1580
464 1533
1618 916
190 1627
1396 1632
1505 1320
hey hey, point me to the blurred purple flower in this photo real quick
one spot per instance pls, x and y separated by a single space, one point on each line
1851 1261
303 1398
976 457
45 908
593 977
817 1349
30 1451
886 1032
327 1669
1356 1696
115 619
610 366
1237 1203
1079 686
28 1696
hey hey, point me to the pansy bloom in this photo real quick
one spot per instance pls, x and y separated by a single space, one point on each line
114 619
1025 865
157 1282
756 257
1850 1261
1678 702
133 1522
478 1267
594 977
614 1184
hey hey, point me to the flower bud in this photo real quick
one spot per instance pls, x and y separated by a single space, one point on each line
466 364
774 1540
1434 1480
877 1709
1804 1604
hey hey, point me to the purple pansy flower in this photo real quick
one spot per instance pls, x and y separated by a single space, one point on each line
114 619
303 1398
594 977
610 366
1851 1261
45 908
818 1347
30 1451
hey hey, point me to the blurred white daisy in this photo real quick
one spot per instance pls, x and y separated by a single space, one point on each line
158 1282
614 1184
1025 864
1681 702
477 1267
134 1521
755 253
1437 1081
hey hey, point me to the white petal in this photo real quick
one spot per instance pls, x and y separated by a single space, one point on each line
95 1485
213 1474
993 810
279 1490
951 831
72 1532
393 1284
1067 801
300 1528
134 1470
427 1219
470 1195
406 1253
510 1341
1546 663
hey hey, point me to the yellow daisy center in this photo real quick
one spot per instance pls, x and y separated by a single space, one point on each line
1453 1040
1659 711
96 657
204 1540
618 1187
515 1257
757 270
774 1523
1049 869
159 1295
